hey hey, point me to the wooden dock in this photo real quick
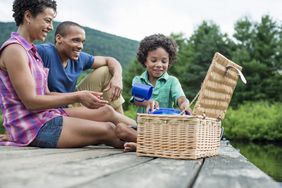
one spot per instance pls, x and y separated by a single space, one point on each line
101 166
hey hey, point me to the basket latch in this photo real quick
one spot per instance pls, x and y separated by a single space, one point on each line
242 77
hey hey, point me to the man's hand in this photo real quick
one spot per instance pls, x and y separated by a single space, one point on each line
115 85
91 99
115 88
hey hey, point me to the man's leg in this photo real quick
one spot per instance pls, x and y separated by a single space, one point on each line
98 80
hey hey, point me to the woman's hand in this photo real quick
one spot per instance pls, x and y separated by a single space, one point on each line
91 99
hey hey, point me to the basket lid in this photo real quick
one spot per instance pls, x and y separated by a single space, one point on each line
217 88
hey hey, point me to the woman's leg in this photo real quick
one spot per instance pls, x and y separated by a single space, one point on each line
102 114
80 132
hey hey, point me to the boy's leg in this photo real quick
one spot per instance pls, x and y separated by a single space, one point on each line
98 80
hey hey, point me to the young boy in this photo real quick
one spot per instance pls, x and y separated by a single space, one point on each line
157 53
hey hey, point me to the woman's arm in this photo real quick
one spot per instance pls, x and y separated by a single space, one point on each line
15 61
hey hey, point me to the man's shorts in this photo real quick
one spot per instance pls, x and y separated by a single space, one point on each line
98 80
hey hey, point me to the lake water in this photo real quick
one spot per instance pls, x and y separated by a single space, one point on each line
267 157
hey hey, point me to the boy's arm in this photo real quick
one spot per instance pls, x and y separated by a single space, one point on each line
177 93
151 104
183 103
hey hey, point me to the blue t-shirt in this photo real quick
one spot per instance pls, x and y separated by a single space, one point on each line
62 79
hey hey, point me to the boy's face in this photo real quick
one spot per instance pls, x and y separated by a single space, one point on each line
157 63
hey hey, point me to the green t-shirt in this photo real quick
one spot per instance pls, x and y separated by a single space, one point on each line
166 91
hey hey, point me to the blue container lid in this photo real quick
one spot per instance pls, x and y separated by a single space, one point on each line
165 111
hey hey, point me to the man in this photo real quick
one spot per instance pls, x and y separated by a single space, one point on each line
66 61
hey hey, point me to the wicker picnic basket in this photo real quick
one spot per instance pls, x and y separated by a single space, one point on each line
198 135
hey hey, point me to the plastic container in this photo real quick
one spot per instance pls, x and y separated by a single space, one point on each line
165 111
141 92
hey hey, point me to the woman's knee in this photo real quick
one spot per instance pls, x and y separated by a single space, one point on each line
108 110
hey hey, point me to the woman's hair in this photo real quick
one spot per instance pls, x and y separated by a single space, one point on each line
153 42
34 6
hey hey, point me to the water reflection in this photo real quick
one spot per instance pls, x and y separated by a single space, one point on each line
267 157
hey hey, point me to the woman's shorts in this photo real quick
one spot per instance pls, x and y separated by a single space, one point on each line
49 134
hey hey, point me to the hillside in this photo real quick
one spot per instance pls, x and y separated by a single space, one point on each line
97 42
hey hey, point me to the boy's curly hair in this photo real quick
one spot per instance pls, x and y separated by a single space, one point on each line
34 6
153 42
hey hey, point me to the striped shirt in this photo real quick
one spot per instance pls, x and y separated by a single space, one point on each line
21 124
166 91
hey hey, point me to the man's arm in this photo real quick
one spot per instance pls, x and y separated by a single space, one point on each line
115 69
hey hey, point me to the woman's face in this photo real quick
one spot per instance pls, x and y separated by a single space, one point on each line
41 24
157 63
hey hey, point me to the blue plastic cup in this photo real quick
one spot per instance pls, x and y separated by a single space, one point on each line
141 92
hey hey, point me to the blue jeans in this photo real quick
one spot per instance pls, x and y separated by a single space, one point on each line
49 134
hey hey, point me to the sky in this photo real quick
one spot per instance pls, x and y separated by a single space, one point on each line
135 19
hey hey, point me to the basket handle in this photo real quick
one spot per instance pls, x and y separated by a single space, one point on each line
242 77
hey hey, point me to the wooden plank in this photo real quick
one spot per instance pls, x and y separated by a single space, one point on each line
231 169
56 156
160 173
14 153
72 172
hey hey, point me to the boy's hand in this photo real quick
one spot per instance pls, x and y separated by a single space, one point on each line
151 104
185 108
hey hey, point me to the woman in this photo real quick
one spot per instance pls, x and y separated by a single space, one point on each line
31 113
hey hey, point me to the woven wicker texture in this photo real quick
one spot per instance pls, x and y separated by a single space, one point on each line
217 88
177 137
196 136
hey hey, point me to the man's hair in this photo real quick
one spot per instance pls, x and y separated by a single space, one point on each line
62 28
34 6
153 42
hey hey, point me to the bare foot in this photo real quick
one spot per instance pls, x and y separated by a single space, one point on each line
126 133
4 137
130 146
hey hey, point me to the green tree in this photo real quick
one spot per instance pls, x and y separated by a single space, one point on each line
258 50
197 54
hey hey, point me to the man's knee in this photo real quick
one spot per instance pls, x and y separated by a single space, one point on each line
96 80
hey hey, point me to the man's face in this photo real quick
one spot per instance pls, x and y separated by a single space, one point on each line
71 44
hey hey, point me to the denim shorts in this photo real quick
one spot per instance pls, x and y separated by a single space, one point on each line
49 134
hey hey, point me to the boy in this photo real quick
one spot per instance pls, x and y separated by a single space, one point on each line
157 53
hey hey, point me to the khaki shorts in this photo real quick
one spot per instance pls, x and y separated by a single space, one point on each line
98 80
